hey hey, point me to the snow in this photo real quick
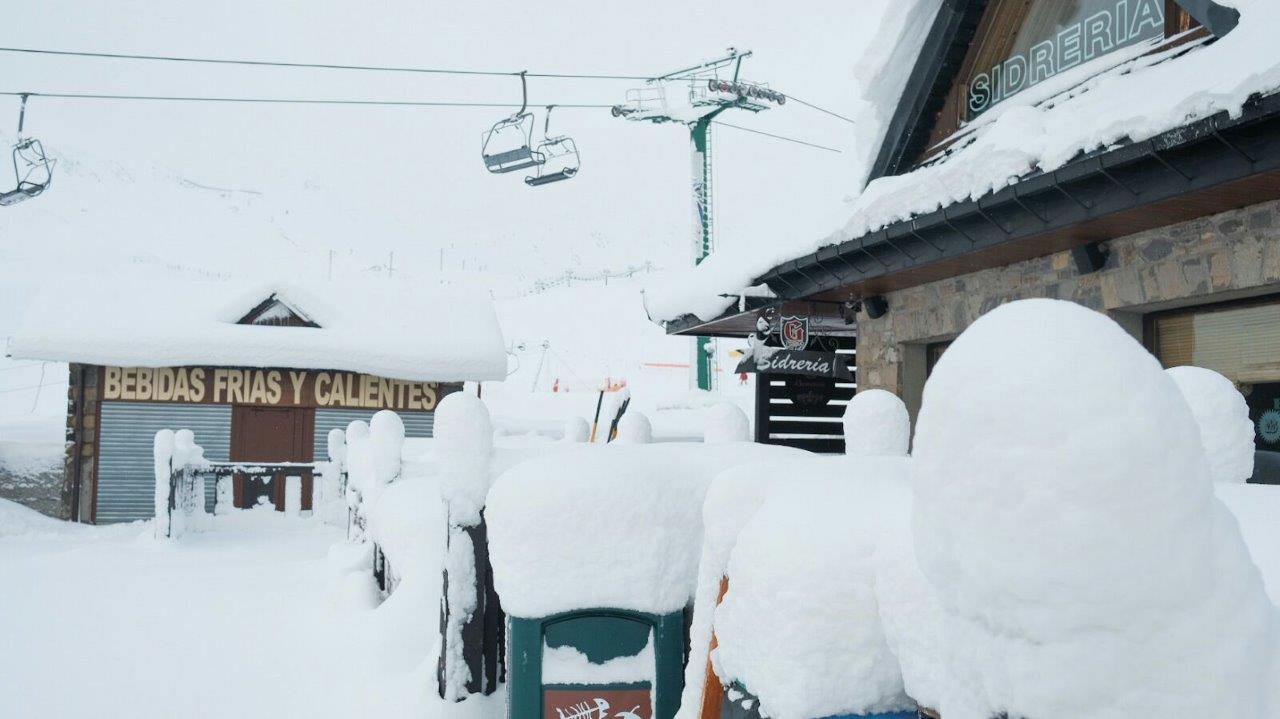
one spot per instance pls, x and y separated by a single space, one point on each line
726 423
375 328
463 444
260 616
1256 507
19 521
1120 97
606 527
1222 416
567 665
576 431
876 424
634 428
800 625
1064 513
23 459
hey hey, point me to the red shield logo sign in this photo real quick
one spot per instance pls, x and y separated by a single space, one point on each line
795 333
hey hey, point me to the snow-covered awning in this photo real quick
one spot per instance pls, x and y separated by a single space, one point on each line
392 329
1123 98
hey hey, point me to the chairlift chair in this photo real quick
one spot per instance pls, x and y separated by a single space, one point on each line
560 157
508 145
32 168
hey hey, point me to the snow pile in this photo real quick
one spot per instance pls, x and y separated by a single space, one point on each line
876 424
1131 94
1223 418
726 422
800 625
634 428
576 430
17 521
1065 514
596 527
363 327
1256 507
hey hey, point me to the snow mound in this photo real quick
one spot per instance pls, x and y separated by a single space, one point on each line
726 422
634 428
876 424
1064 513
576 430
1222 415
606 527
17 521
800 625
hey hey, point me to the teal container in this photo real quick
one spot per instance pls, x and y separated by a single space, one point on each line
601 635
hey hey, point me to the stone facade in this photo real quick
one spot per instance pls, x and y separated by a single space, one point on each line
82 441
1218 258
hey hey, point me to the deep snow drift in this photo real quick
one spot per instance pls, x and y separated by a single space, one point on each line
1065 514
260 616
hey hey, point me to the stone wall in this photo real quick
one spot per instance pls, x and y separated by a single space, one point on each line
1223 257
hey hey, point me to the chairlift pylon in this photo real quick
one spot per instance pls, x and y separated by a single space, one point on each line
508 145
560 157
32 168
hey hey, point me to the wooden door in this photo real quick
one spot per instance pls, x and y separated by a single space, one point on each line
271 434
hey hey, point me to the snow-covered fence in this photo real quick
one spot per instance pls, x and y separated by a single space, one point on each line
180 481
371 456
182 473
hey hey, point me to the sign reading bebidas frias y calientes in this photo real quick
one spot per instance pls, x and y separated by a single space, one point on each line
266 387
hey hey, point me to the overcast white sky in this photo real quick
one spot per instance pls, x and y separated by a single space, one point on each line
362 182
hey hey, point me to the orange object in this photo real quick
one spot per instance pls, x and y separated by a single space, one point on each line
712 689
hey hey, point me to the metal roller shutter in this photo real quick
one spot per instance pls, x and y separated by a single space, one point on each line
126 477
416 424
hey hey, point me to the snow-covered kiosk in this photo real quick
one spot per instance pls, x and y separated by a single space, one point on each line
1120 154
260 372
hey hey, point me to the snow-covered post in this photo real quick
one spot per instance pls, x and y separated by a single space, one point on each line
634 428
178 463
471 620
726 422
329 487
876 424
1065 513
293 495
1222 415
162 455
356 436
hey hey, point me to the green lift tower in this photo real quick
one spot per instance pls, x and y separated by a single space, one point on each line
694 96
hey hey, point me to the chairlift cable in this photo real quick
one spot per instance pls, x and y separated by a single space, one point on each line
821 109
278 100
777 137
318 65
378 68
340 102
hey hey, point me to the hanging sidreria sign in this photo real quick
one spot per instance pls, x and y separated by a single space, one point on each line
784 361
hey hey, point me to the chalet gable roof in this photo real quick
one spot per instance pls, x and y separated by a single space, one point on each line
941 59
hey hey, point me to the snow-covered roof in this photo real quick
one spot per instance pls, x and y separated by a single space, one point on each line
387 328
1129 95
